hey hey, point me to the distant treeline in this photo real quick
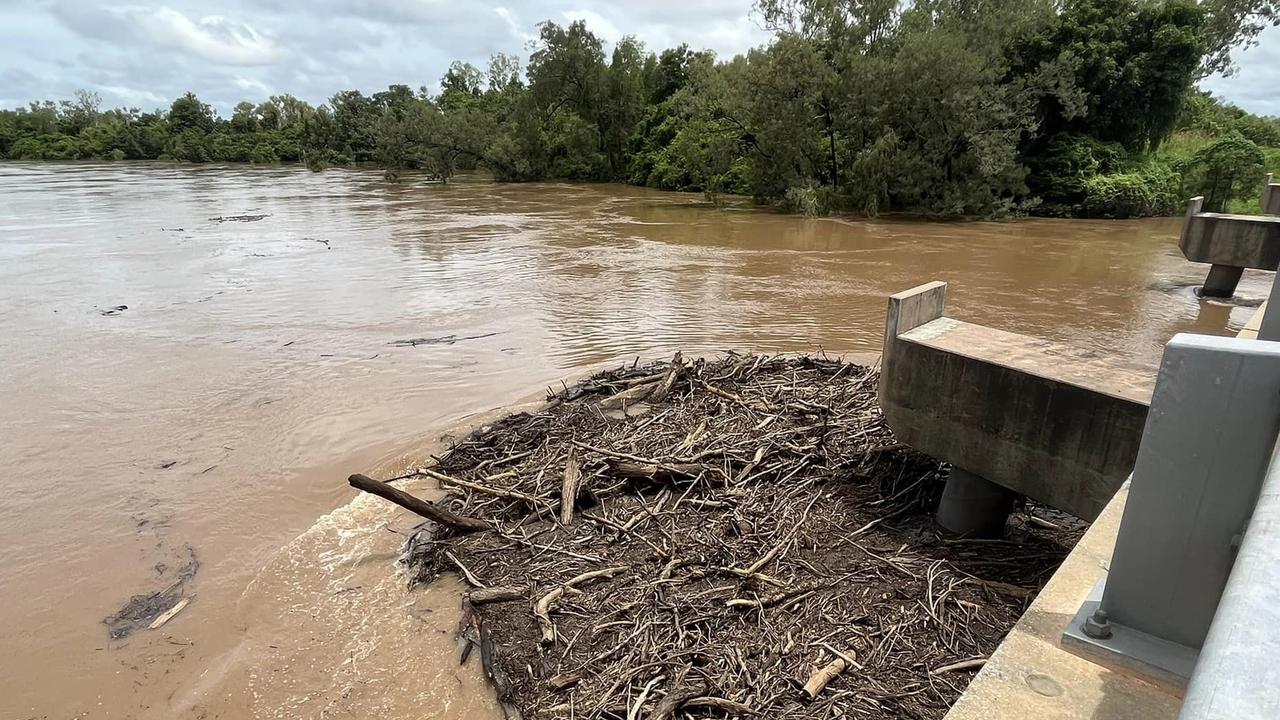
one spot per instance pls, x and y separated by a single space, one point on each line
942 107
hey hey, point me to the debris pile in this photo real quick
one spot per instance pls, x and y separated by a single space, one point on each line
740 537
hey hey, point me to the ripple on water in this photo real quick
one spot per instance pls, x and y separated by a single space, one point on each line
254 369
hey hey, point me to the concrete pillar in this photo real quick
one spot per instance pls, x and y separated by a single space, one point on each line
973 506
1222 281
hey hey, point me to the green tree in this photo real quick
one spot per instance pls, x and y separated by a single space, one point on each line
1121 68
1229 169
244 119
187 113
1231 25
566 70
504 72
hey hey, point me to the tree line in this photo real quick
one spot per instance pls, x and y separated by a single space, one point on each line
942 107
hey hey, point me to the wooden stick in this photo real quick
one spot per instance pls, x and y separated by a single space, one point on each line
566 680
167 615
675 700
650 471
677 369
542 608
569 487
485 489
466 572
962 665
458 523
627 397
634 712
722 704
819 679
484 596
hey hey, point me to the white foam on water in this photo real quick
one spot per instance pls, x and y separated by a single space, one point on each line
331 630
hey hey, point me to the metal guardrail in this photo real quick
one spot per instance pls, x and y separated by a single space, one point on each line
1206 448
1238 673
1192 596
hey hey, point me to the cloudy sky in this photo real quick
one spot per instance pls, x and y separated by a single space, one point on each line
144 54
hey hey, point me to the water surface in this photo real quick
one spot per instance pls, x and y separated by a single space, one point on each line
216 417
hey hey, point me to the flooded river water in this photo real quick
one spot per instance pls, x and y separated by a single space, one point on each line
206 427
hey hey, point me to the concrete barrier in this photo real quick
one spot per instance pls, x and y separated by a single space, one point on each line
1049 421
1230 243
1271 196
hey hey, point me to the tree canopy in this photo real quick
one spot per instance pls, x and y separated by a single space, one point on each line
944 107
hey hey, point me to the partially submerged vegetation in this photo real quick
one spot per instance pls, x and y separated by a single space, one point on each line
944 107
741 537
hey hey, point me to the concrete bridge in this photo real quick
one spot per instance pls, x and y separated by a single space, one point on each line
1013 414
1231 243
1271 196
1170 604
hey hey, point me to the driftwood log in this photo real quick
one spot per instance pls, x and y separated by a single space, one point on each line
431 511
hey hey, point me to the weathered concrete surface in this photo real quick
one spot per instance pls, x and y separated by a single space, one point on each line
1031 676
1243 241
1049 421
1222 281
1271 196
974 507
1251 328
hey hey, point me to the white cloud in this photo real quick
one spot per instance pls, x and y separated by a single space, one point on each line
213 38
601 26
147 52
256 86
517 29
1254 86
135 96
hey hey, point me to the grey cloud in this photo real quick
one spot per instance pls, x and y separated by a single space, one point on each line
146 52
1254 86
213 38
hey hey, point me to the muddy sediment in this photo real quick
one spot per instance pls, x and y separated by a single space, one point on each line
741 537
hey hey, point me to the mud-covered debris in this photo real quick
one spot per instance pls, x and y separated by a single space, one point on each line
148 610
441 340
757 543
238 218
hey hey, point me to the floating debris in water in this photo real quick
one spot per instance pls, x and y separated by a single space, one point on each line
151 610
442 340
113 310
238 218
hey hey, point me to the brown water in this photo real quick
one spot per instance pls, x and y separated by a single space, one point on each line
256 357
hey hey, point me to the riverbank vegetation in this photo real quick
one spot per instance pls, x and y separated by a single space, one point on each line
942 107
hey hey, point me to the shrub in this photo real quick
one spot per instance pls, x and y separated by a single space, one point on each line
1060 175
1150 190
809 200
1231 168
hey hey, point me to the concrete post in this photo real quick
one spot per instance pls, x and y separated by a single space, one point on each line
973 506
1207 445
1270 196
1270 327
1221 281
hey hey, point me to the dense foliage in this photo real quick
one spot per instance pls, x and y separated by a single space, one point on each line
944 107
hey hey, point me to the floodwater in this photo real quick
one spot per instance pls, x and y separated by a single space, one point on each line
209 426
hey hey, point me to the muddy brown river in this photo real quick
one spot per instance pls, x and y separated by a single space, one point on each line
192 359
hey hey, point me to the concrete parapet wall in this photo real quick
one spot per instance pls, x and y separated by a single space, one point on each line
1243 241
1271 197
1039 418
